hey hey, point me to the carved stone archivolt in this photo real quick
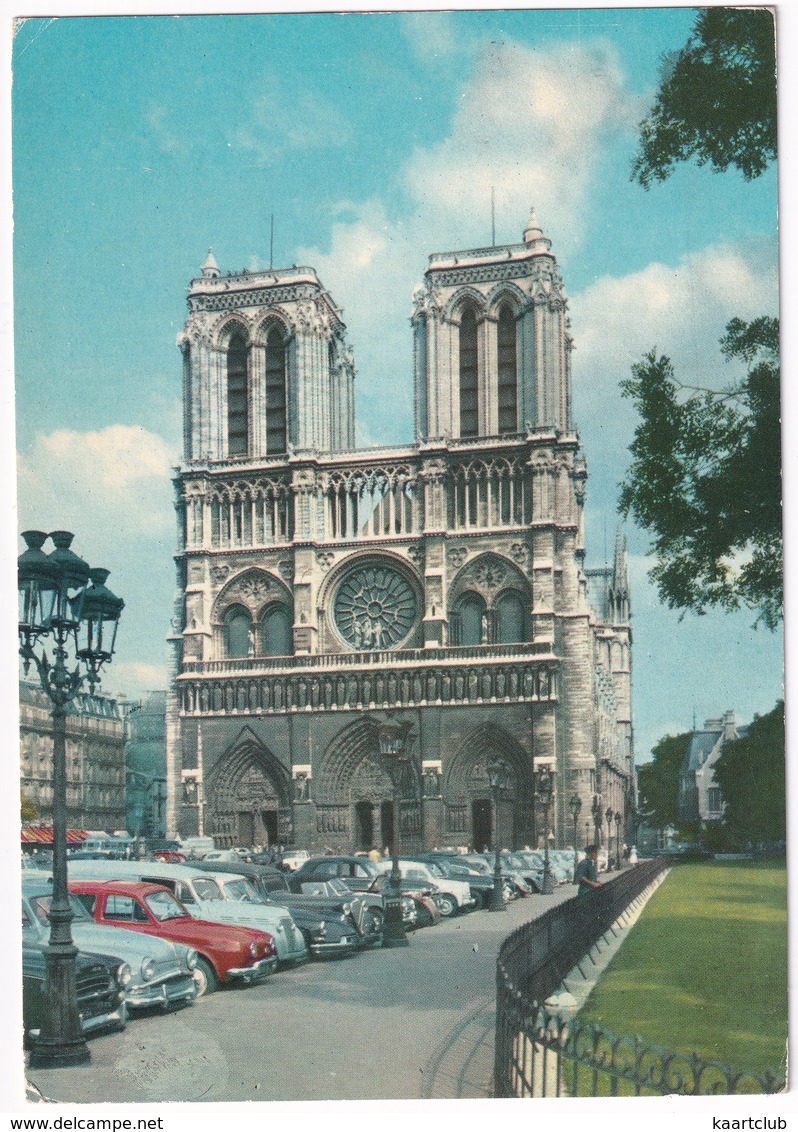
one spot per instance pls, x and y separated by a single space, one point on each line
254 589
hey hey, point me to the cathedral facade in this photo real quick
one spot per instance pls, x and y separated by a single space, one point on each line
358 635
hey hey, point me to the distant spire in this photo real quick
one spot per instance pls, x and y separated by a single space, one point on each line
210 268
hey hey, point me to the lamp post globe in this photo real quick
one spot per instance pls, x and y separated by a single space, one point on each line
52 592
496 778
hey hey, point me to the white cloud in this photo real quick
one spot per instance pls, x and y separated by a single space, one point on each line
680 309
281 119
533 123
97 483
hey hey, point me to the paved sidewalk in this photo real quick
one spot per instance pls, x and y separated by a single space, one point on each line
410 1023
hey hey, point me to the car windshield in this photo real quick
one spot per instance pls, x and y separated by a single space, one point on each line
207 889
41 906
515 861
164 906
242 891
435 869
338 887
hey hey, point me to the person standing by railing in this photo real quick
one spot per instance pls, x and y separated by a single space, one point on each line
586 872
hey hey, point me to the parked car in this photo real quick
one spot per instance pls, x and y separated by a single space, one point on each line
161 973
196 847
422 910
481 884
452 896
100 982
311 910
206 898
293 860
225 953
514 885
356 872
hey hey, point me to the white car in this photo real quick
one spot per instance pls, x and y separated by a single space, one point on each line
295 860
452 895
208 896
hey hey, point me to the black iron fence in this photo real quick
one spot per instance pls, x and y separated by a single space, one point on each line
539 1054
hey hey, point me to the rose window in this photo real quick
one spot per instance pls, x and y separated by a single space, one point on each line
375 607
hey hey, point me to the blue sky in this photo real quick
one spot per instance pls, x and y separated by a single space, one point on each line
374 140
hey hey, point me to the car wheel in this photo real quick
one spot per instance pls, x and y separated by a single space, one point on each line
205 977
447 904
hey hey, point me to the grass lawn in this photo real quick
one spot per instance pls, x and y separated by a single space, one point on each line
704 969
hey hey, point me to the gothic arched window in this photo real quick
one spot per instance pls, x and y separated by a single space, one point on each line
238 635
276 637
275 393
469 420
469 620
509 618
508 371
237 395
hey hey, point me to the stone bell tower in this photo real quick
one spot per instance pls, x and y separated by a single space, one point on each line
266 367
492 348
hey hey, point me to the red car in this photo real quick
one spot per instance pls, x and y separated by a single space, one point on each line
225 952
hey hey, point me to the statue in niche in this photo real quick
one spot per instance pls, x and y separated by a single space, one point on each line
301 788
484 629
250 641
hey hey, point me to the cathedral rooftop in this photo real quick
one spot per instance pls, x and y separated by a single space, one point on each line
535 244
212 281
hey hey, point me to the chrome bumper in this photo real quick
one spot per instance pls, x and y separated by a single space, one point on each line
181 989
258 970
343 946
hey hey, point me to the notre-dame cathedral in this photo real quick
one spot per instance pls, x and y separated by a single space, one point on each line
358 634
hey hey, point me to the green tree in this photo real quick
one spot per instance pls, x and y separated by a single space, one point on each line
27 808
658 781
717 98
705 478
751 775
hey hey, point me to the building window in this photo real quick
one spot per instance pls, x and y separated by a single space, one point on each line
276 637
468 373
508 374
713 799
470 620
237 396
509 618
238 634
275 393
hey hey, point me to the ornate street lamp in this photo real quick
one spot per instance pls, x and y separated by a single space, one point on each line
545 788
575 806
608 816
498 778
66 605
393 739
617 839
597 819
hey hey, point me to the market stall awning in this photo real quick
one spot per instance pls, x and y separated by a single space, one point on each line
43 835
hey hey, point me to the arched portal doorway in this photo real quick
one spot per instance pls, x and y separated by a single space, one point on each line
366 800
248 796
470 816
